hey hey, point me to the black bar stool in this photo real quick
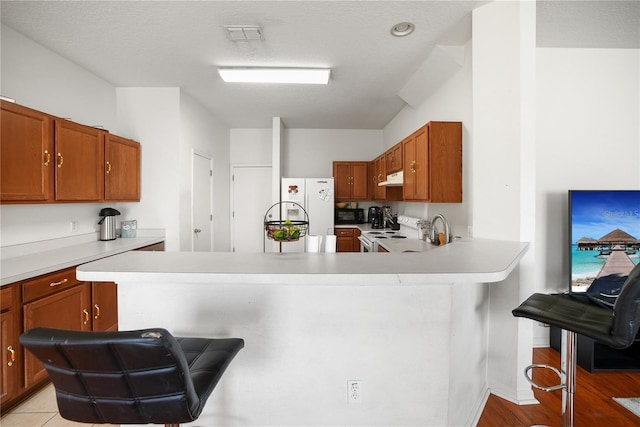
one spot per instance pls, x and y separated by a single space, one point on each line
131 377
576 314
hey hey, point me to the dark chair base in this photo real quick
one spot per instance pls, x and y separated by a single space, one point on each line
567 375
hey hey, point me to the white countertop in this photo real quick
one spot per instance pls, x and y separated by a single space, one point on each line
25 266
465 260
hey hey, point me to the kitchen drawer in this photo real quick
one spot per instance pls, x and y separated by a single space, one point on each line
345 232
48 284
6 297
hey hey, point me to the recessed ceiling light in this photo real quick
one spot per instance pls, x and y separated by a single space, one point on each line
402 29
275 75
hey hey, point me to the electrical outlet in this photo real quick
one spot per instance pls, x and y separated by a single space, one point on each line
74 226
354 391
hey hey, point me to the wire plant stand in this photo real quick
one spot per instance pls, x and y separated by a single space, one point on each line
285 230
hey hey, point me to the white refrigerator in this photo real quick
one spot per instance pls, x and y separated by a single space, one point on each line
315 195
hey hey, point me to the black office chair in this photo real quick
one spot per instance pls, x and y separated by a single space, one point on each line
577 314
131 377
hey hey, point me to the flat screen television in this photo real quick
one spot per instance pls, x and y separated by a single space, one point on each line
604 240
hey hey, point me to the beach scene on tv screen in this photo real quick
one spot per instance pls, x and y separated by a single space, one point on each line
605 233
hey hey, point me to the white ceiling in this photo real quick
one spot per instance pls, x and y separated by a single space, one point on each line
180 44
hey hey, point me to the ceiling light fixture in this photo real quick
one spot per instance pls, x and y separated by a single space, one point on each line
275 75
402 29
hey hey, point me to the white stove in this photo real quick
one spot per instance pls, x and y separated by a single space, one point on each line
370 240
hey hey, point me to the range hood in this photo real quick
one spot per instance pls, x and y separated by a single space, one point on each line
393 180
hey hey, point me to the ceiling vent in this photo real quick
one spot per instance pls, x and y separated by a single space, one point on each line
244 32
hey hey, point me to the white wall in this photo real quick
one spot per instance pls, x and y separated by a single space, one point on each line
451 102
503 175
203 133
152 116
40 79
311 152
166 123
250 146
588 137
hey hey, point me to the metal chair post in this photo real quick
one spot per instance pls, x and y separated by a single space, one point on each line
569 366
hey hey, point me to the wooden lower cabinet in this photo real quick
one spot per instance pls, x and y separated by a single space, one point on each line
55 300
66 309
11 352
347 240
104 305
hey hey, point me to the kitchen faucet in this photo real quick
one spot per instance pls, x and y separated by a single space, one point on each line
434 231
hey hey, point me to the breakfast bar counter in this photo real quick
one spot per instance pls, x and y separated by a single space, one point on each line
412 328
464 260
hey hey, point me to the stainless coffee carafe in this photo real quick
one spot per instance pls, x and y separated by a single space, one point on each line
108 223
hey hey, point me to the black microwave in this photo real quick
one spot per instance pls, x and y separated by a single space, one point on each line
348 216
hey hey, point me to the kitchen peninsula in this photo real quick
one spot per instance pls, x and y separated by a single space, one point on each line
411 327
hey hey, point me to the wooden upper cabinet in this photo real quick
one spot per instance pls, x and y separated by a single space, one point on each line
350 180
45 159
122 169
359 183
342 180
445 153
393 158
26 158
372 179
416 166
79 162
433 163
380 193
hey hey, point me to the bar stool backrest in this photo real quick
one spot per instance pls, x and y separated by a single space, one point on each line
626 310
131 377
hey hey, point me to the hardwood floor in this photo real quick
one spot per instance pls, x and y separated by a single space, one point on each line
594 405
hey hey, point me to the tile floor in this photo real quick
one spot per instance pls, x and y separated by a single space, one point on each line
39 411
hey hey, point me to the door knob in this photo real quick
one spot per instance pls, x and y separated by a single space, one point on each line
196 230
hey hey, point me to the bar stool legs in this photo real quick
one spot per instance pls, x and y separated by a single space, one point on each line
569 366
567 375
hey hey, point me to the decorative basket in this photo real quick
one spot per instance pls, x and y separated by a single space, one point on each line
285 230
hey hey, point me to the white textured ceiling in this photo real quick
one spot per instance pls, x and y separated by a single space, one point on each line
588 24
180 44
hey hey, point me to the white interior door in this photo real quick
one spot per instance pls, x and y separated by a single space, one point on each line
202 210
251 198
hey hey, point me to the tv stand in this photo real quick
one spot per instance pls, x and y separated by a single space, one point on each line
594 356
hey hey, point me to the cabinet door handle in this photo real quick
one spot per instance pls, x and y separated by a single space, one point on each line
97 311
60 160
61 282
12 356
108 167
47 157
86 316
413 166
